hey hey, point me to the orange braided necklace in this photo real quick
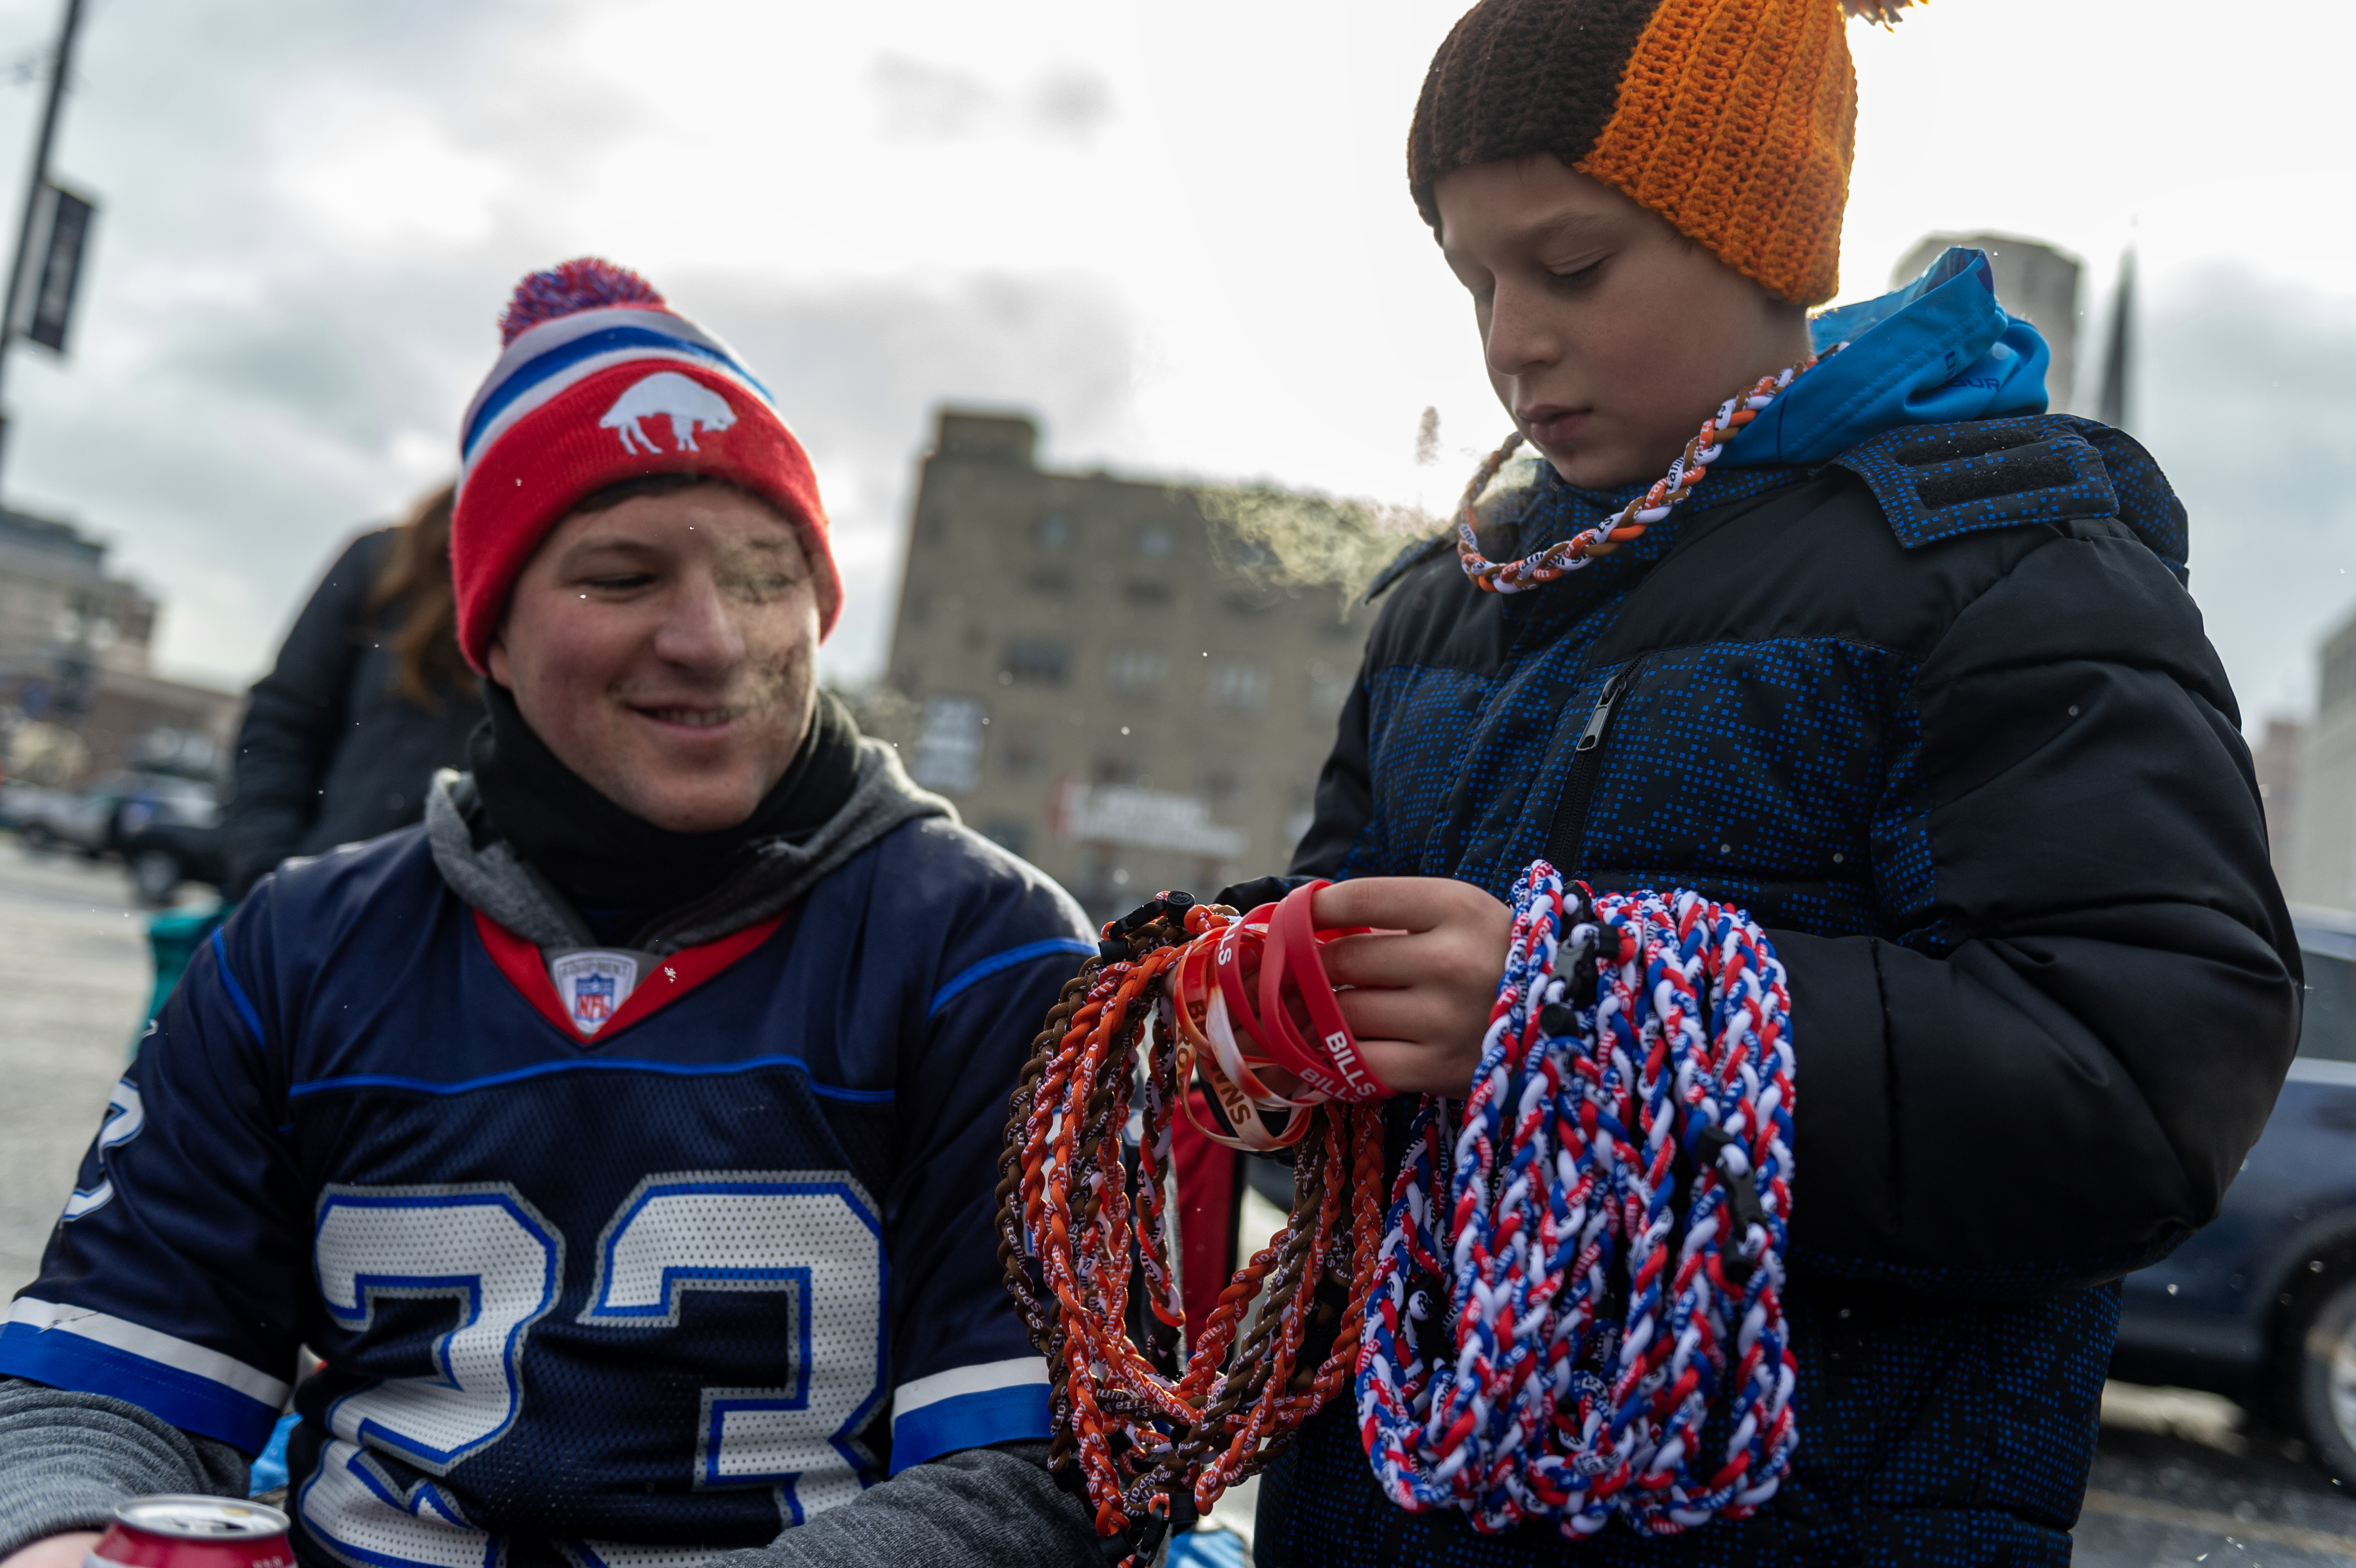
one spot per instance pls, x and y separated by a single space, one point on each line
1080 1216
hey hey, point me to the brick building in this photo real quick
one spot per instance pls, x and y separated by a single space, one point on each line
73 654
1105 677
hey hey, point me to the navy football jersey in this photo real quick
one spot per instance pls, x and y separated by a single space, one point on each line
624 1295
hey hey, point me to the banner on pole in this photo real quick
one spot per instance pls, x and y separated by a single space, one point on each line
63 237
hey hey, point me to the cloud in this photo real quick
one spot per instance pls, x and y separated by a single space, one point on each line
1072 103
924 103
2238 371
297 269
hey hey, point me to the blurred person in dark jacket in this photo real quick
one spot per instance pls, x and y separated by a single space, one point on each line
370 695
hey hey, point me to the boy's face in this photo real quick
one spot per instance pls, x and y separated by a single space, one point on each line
665 649
1608 336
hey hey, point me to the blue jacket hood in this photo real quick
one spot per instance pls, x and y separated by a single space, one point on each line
1937 351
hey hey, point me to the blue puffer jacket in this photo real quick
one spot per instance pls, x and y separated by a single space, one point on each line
1916 681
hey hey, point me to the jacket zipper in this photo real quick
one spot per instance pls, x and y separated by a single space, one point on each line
1586 762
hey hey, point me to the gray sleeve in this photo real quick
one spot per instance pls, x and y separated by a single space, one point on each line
981 1508
72 1456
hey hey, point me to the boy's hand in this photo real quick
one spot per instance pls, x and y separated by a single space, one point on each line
53 1552
1427 977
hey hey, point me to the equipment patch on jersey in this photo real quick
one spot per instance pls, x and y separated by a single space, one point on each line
593 984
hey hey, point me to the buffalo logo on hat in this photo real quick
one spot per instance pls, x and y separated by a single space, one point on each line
689 405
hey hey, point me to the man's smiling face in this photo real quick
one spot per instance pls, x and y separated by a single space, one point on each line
665 648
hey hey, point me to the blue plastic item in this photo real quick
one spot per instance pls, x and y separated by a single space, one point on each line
270 1470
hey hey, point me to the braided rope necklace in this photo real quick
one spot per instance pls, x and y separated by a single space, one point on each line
1567 556
1627 1031
1131 1025
1578 1385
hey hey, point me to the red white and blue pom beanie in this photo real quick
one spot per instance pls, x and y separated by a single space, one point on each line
602 382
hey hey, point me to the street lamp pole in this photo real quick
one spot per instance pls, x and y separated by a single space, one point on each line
60 68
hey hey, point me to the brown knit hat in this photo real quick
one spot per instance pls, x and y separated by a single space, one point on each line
1733 119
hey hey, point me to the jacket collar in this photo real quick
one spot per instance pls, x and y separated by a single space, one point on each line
1938 351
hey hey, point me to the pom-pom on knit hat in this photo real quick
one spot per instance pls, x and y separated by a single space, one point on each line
602 381
1733 119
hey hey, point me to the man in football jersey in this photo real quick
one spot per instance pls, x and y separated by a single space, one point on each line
623 1140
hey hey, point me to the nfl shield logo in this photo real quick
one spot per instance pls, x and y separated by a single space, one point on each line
593 986
592 998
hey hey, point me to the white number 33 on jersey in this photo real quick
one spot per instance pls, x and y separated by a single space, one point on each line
814 1235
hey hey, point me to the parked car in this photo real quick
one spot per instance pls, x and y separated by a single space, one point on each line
167 852
164 826
64 819
2260 1306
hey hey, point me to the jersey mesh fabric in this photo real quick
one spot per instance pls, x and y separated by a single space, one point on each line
628 1301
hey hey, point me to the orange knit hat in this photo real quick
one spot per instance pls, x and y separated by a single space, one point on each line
1733 119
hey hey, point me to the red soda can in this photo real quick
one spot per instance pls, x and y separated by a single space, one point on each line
193 1532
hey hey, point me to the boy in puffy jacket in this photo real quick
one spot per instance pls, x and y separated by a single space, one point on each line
1910 673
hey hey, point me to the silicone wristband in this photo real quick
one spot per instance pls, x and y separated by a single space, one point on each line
1359 1082
1194 1001
1229 968
1250 1128
1225 1049
1279 1035
1234 1134
1242 1098
1227 1014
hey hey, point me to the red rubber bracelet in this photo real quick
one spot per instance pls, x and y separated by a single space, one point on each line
1229 966
1280 1036
1191 997
1357 1083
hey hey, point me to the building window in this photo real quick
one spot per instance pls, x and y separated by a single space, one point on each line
1035 661
1055 584
1018 754
1008 833
1147 593
1222 782
1155 542
949 744
1134 672
1239 688
1054 531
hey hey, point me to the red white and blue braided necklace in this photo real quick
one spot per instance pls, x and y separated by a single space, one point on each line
1567 556
1549 1383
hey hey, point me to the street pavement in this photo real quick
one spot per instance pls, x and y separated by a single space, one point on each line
74 981
2178 1478
2185 1478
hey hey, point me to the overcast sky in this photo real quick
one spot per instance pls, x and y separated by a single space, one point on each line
1180 236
